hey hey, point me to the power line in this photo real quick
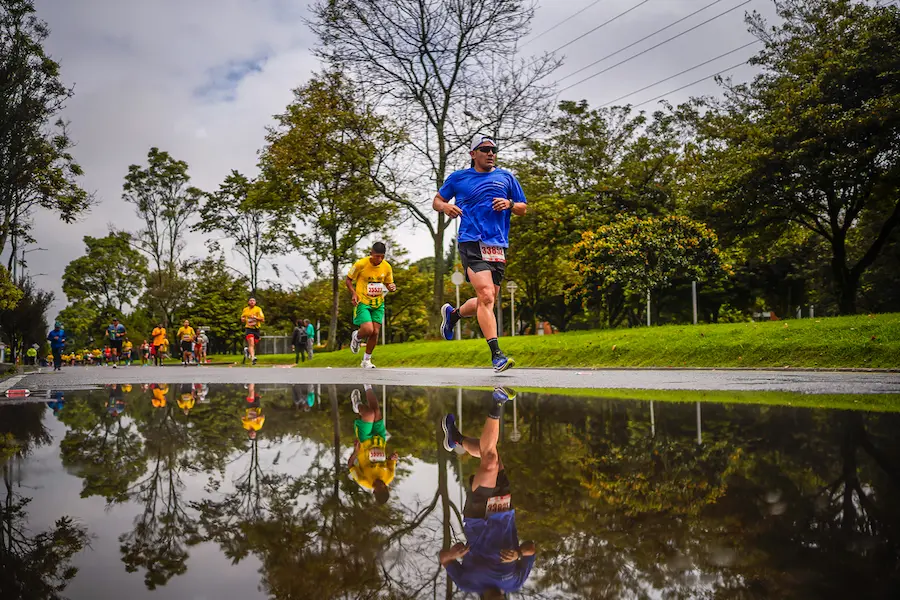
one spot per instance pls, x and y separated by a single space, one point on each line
567 19
731 68
604 24
666 41
699 10
706 62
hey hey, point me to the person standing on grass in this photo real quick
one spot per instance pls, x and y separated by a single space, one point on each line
159 339
310 337
186 335
252 317
367 280
486 199
370 467
57 339
493 562
298 341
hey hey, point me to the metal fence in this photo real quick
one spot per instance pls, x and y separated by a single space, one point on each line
274 344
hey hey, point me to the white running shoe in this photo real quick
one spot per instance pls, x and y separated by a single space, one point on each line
367 364
354 342
356 399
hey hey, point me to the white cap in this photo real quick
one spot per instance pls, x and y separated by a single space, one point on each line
480 139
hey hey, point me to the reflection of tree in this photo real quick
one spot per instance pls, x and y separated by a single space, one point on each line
32 565
163 530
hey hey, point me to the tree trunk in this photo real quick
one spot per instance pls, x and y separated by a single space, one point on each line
335 302
439 270
846 282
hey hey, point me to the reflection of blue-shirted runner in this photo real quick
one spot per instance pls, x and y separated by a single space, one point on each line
493 560
486 199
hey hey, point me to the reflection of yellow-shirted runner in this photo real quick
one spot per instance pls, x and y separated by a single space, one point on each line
365 472
370 280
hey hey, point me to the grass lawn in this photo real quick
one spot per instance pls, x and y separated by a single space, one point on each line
861 341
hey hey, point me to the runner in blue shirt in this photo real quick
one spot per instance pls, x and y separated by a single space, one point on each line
486 198
115 334
493 561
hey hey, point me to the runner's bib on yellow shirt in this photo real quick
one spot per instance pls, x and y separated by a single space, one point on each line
371 281
254 317
186 334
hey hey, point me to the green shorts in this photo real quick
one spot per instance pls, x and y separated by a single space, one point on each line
363 313
366 431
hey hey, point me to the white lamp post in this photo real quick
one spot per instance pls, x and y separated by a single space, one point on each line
457 279
511 287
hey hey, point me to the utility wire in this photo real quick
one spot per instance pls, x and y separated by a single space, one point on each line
666 41
567 19
604 24
706 62
731 68
572 74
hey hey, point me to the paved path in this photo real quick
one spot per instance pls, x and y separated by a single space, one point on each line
811 382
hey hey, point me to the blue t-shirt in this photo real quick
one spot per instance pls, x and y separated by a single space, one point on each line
474 193
481 568
112 330
57 338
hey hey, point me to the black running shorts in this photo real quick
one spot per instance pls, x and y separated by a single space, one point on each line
477 500
472 257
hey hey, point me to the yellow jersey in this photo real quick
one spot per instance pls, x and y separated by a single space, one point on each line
186 402
186 334
159 396
159 334
253 419
252 317
370 280
127 346
365 472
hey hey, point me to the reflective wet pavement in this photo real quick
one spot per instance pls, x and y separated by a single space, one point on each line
234 491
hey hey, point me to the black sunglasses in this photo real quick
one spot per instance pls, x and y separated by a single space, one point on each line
487 149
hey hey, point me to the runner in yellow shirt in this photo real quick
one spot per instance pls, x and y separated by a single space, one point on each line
159 392
186 401
367 280
252 317
159 338
127 348
369 465
186 335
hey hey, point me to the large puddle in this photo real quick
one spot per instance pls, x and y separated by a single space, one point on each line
194 491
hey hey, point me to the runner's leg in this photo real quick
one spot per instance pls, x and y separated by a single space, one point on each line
373 337
371 411
485 293
489 467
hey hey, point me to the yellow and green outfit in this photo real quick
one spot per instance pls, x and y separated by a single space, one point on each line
372 443
370 281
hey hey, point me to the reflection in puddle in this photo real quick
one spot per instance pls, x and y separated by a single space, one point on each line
312 491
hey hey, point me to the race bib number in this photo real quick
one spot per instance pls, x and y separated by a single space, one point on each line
499 504
377 455
251 322
374 289
494 254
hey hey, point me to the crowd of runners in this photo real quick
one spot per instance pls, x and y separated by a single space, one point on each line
482 197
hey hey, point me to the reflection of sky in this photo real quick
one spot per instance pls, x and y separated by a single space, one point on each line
210 575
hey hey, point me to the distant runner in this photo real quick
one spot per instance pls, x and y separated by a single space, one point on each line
115 333
253 418
186 335
159 339
369 464
57 339
298 341
486 198
367 280
493 561
252 317
127 348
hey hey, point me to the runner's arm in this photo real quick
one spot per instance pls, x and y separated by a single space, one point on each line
353 297
441 205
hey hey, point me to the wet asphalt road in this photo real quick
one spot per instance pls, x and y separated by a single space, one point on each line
810 382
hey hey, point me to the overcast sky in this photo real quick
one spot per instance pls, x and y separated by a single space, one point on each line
202 79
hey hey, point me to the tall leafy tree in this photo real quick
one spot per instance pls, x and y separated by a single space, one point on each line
111 275
164 202
316 164
26 323
813 139
444 70
37 169
229 211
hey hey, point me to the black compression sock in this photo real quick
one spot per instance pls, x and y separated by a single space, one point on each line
495 346
496 409
455 317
